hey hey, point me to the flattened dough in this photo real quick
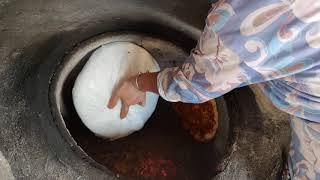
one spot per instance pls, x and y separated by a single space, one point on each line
106 67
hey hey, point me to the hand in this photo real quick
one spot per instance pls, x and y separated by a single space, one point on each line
129 95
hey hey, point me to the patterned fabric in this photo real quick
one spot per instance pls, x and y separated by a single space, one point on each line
276 42
304 155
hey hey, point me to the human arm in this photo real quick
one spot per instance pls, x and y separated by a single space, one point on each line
232 52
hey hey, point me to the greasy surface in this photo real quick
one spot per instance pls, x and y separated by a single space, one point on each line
35 34
200 120
161 150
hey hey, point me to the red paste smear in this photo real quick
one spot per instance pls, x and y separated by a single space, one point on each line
147 167
153 168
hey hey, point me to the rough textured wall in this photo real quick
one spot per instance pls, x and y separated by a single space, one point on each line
35 34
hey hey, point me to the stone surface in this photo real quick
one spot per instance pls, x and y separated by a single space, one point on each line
5 170
35 35
261 137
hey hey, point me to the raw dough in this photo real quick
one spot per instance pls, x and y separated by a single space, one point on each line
107 66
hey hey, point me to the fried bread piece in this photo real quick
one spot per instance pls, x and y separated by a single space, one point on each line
200 120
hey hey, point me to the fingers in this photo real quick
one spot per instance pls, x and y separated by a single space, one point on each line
124 110
113 100
143 101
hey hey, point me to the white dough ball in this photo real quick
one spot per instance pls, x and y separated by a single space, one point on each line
93 88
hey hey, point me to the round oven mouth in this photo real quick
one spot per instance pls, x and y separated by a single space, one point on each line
162 149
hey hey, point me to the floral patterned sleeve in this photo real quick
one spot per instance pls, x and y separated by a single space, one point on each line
253 41
203 75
